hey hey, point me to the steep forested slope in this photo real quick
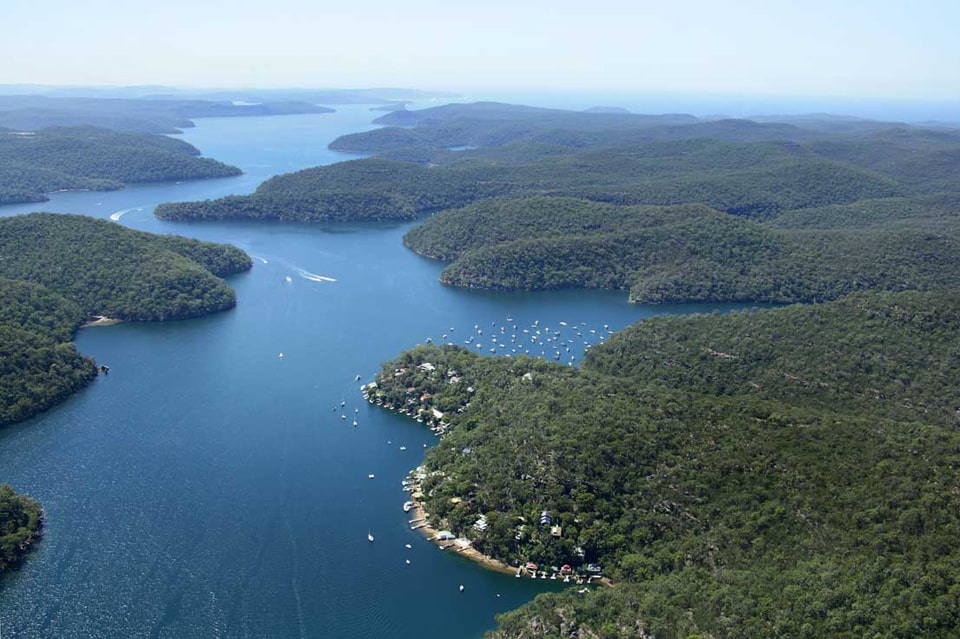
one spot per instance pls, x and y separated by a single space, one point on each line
109 270
789 472
21 520
34 163
56 271
683 253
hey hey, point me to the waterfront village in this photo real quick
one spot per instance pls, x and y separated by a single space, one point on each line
417 402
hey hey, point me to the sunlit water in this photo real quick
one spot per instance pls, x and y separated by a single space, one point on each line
208 487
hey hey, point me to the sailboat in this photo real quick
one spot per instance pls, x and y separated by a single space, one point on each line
369 535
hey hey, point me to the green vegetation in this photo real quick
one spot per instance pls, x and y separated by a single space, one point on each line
683 253
59 270
940 211
361 190
33 163
21 521
56 272
39 365
109 270
33 112
749 180
790 472
669 207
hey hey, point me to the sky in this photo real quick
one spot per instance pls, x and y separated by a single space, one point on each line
877 48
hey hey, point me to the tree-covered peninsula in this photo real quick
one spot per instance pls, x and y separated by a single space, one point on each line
21 522
136 115
743 179
788 472
57 271
36 162
689 252
669 207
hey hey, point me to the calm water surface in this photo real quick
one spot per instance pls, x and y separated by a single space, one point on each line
206 487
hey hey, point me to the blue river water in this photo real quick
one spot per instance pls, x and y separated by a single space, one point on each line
208 487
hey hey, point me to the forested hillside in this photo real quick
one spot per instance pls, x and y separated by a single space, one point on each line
684 253
360 190
56 272
790 472
545 199
39 365
59 270
743 179
21 520
34 163
109 270
34 112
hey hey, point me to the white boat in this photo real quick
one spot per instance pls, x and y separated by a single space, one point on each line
407 505
357 378
280 355
369 535
371 476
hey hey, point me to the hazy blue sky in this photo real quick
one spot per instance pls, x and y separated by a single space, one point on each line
881 48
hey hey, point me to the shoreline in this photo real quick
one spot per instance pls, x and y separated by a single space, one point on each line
471 553
101 320
474 555
419 521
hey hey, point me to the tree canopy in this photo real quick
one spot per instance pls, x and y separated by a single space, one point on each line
36 162
786 472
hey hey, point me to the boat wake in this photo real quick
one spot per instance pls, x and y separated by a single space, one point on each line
118 214
313 277
263 260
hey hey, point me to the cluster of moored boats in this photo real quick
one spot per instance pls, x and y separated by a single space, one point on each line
559 343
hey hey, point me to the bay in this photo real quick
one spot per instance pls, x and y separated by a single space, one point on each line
209 487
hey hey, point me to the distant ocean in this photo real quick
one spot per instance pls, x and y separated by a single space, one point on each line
737 106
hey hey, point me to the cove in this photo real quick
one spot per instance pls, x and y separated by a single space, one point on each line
207 487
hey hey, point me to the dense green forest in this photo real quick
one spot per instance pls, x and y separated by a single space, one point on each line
21 520
34 163
670 208
113 271
360 190
687 253
753 180
39 365
789 472
169 115
753 169
56 272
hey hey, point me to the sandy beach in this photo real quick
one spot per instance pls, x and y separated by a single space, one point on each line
101 320
467 551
